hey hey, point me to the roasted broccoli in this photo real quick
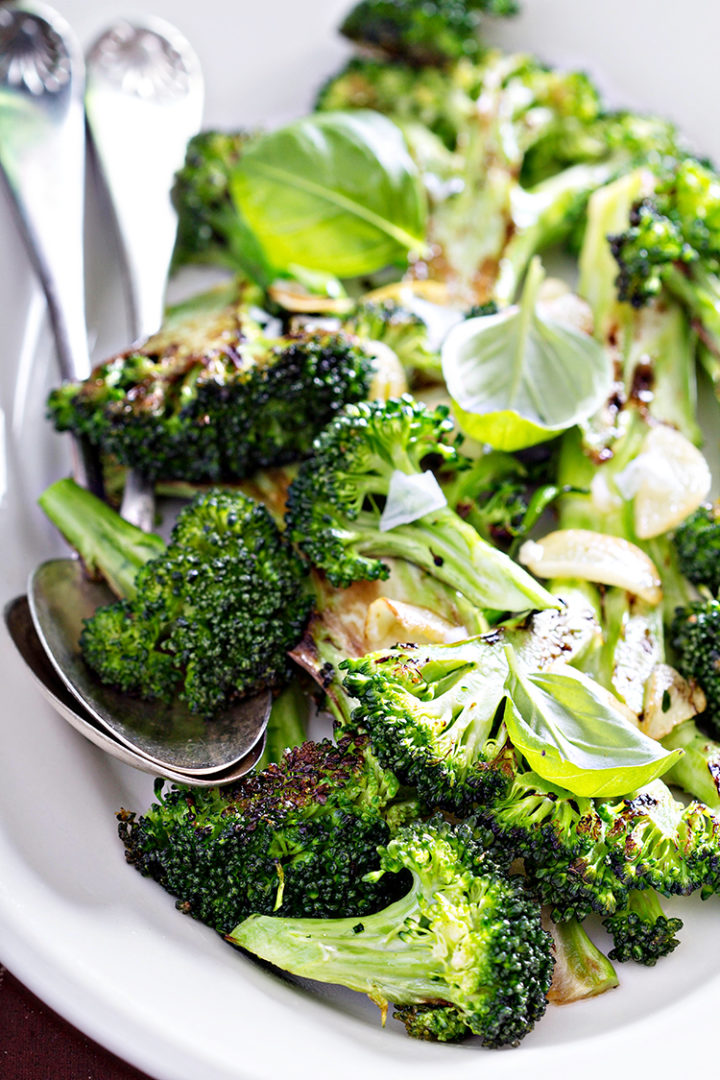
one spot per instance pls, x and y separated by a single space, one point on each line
404 331
432 33
641 931
462 953
210 226
207 618
298 838
287 723
695 636
697 542
210 397
433 711
369 460
698 770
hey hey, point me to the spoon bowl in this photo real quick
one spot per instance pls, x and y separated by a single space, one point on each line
21 629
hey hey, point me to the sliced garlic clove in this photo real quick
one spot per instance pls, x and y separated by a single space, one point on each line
293 296
668 479
592 556
669 700
391 621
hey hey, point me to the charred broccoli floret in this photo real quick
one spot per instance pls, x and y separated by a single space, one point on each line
298 838
433 711
463 952
210 397
337 501
432 33
697 542
405 332
210 226
641 931
586 855
695 637
209 618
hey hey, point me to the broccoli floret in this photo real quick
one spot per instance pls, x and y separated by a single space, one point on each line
464 937
586 855
405 332
432 33
209 618
671 245
695 636
209 397
438 101
433 711
697 542
641 931
335 507
210 226
298 838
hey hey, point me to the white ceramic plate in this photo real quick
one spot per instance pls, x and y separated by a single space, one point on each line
102 945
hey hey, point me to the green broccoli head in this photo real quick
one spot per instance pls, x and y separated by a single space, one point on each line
210 397
298 838
210 227
641 931
697 543
673 239
405 332
560 837
212 617
432 716
337 501
440 101
695 636
465 940
432 33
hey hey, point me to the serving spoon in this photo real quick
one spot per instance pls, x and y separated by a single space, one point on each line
41 78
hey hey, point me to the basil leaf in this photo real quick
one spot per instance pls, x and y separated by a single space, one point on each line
336 192
570 734
517 378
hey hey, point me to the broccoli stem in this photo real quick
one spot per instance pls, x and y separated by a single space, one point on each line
698 771
106 543
581 970
442 544
366 955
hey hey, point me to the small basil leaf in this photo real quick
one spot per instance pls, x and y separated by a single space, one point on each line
572 736
335 192
517 378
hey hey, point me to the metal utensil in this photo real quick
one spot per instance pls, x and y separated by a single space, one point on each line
42 139
24 636
41 76
143 101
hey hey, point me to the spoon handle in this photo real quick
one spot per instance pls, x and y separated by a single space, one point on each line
143 102
42 157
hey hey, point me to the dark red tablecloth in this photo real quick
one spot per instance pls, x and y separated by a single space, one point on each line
36 1044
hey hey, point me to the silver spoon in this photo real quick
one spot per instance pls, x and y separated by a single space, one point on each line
22 631
43 90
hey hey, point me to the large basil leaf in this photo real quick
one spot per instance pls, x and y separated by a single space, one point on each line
336 192
571 735
517 378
